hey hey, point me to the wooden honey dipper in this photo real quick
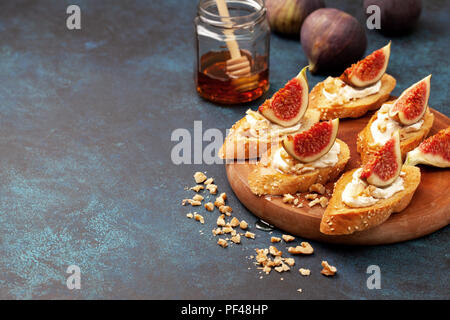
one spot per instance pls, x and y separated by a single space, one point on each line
238 67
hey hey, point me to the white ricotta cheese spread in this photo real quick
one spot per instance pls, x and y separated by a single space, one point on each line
352 196
347 93
384 126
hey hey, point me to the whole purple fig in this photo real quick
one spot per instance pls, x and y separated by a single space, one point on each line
287 16
332 40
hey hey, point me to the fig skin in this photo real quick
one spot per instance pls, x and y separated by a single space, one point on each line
406 98
434 151
397 16
368 173
288 142
332 40
282 20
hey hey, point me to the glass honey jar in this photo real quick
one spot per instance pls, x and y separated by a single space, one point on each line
232 48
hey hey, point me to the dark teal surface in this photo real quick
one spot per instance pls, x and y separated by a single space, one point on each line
86 176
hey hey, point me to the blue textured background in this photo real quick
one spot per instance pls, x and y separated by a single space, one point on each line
86 177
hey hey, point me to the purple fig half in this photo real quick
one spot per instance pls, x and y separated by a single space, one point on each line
385 165
311 144
289 104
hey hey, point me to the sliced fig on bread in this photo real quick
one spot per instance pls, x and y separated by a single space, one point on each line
412 103
385 165
289 104
311 144
434 151
369 70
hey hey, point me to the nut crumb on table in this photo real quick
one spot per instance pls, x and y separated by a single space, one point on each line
199 177
222 242
226 210
304 272
250 235
197 188
197 197
221 221
209 181
288 198
311 196
328 270
243 225
275 239
212 188
209 206
287 238
199 217
236 239
303 248
234 222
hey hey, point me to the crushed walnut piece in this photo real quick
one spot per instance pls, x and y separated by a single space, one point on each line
275 239
234 222
288 198
303 248
382 127
209 181
243 225
236 239
197 188
225 210
313 203
261 256
189 215
323 202
192 202
221 221
304 272
227 229
311 196
266 269
212 188
219 202
224 196
317 187
197 197
274 251
209 206
327 269
223 243
199 217
249 235
290 261
217 231
367 192
288 238
282 268
199 177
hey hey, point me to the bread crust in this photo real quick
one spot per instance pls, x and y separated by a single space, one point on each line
366 146
352 109
269 181
340 219
237 147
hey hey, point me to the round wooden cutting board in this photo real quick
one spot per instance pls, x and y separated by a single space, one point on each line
428 211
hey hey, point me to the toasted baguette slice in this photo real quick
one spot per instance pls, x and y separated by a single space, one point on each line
366 145
339 219
354 108
246 142
265 179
